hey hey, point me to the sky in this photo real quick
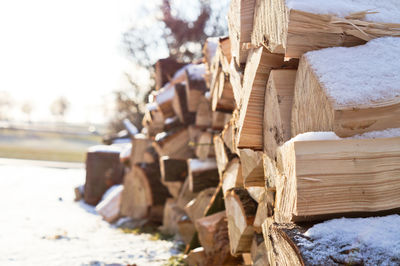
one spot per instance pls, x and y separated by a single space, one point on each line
72 48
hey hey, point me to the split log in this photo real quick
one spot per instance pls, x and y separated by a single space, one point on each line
173 187
142 192
195 86
174 144
109 207
278 109
240 210
258 67
204 113
252 168
185 195
236 79
221 154
222 98
179 105
219 120
202 174
140 152
265 209
240 21
205 146
217 203
332 243
172 215
173 169
196 257
232 176
165 70
195 208
294 31
315 109
329 178
103 170
213 236
258 251
164 98
186 229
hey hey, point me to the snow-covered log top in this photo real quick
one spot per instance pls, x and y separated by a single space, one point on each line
387 11
371 241
310 136
359 75
105 148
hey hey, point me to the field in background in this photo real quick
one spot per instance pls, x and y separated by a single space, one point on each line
61 145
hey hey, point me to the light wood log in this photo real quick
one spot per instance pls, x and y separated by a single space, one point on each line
174 144
232 176
259 251
173 169
109 208
173 187
204 146
330 178
236 78
265 209
196 257
294 32
204 113
252 168
221 154
164 98
240 210
278 109
171 217
219 120
258 67
222 94
240 22
315 110
140 152
142 192
185 195
196 207
202 174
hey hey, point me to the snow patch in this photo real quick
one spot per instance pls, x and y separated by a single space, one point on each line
359 75
387 133
105 148
387 10
373 241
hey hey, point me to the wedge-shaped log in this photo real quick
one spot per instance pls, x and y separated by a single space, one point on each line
328 178
204 146
278 109
240 210
221 154
294 31
258 67
143 192
172 215
202 174
252 168
353 105
240 22
142 152
196 207
258 251
232 176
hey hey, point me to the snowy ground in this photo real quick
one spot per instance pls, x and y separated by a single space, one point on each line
40 224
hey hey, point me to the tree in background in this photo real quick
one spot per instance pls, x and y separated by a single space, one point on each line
174 28
59 107
27 108
6 103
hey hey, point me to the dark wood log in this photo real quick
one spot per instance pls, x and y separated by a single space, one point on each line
202 174
173 169
165 70
179 104
103 170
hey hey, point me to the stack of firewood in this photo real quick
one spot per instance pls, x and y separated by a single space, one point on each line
244 152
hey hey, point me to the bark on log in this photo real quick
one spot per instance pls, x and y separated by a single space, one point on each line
202 174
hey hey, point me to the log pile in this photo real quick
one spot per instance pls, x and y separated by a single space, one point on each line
232 156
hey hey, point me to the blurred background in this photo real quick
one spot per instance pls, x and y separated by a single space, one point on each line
71 71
